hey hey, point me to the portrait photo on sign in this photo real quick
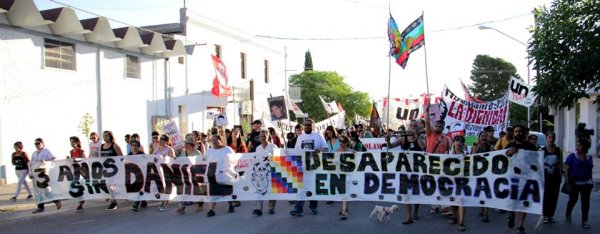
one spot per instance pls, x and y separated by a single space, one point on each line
277 108
220 120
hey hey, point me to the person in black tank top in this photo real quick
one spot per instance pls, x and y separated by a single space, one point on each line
20 160
110 149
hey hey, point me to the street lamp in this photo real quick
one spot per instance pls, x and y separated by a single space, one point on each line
482 27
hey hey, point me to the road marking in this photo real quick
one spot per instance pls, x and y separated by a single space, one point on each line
80 222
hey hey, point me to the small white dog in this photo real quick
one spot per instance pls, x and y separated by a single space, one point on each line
384 212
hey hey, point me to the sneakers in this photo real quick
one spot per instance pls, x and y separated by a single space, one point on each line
434 210
546 220
257 212
144 205
29 197
296 213
163 208
210 213
585 225
13 199
112 206
37 211
79 209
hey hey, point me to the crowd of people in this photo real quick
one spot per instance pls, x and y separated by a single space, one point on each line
419 135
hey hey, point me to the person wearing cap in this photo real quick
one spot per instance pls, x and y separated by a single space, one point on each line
254 138
188 151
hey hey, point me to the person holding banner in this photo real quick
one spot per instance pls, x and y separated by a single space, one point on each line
458 147
344 147
220 153
274 138
164 149
482 146
188 151
503 142
137 149
314 142
331 137
553 167
110 149
41 155
95 145
77 153
253 138
578 175
235 141
436 141
520 143
260 175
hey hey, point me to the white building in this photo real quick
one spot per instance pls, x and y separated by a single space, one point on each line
565 123
56 68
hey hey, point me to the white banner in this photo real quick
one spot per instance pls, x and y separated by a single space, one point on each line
336 121
520 93
467 118
401 111
172 130
492 179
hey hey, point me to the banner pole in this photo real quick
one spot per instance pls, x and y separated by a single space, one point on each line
425 48
387 110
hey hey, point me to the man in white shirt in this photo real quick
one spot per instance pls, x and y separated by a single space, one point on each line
309 141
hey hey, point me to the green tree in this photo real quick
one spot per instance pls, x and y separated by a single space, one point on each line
85 124
490 78
331 87
308 64
564 49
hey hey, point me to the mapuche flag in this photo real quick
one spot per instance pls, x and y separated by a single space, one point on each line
402 44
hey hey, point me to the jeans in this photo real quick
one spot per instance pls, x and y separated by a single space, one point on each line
551 191
585 190
22 175
299 205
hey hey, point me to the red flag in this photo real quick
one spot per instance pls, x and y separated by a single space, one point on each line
221 86
468 95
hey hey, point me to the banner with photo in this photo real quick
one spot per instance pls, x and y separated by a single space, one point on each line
336 121
277 108
491 179
520 93
467 118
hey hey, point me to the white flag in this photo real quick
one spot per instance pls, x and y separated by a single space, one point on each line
520 93
326 106
334 107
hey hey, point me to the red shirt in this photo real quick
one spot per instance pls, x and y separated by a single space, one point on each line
437 143
77 153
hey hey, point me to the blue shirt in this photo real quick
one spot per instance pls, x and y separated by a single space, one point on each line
580 170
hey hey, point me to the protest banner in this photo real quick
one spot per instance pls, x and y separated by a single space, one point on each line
490 179
520 93
172 130
336 121
402 110
469 118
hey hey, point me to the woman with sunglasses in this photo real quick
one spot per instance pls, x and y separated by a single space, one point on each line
164 149
458 146
77 154
344 148
41 155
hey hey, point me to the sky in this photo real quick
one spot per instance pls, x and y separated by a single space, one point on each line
355 41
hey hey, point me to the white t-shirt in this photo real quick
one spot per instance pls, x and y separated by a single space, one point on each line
221 156
311 141
95 149
43 155
268 149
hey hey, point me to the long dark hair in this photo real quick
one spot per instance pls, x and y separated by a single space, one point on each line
76 140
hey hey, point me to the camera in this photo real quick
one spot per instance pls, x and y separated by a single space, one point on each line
582 132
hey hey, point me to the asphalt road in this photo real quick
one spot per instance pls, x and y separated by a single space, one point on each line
96 220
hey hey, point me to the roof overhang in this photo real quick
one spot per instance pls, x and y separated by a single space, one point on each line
22 13
101 31
129 37
65 21
155 43
174 48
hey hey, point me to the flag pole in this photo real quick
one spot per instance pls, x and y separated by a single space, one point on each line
425 48
389 83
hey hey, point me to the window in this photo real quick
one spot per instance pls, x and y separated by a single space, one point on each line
132 66
243 65
58 54
181 60
266 71
218 51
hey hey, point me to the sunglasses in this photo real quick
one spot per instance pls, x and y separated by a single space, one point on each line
307 125
37 143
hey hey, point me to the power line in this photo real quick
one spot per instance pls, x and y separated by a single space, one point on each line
384 37
130 8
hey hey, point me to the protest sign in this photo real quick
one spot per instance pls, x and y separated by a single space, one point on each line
172 131
469 118
520 93
490 179
278 108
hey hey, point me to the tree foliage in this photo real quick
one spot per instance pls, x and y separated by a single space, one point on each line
565 50
331 87
490 78
308 64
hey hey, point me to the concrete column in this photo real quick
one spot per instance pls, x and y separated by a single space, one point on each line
559 127
569 133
